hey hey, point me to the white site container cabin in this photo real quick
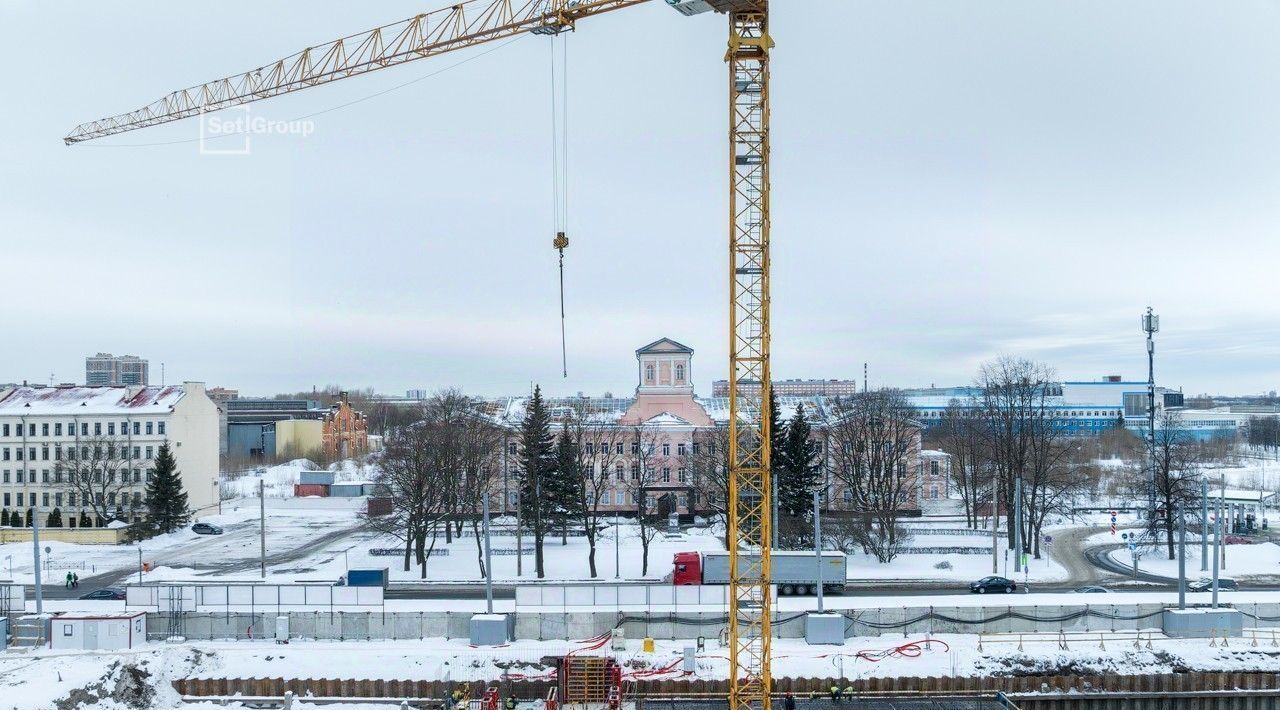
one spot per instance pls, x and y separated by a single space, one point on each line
97 632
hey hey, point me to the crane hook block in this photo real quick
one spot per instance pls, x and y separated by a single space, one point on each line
561 241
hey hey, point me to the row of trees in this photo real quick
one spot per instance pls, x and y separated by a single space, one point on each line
1013 432
566 464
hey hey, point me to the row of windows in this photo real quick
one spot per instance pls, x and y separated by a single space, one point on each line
29 476
56 427
139 452
110 498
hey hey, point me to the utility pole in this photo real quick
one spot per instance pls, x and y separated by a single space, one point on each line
1204 523
1151 325
519 537
1182 559
817 545
1217 547
1017 525
1222 507
35 545
995 523
262 527
488 561
617 546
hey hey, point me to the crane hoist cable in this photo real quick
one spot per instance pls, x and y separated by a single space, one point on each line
560 172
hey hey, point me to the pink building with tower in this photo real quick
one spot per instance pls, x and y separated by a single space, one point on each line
665 443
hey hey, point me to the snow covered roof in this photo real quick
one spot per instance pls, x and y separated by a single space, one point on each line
814 406
665 345
43 401
599 410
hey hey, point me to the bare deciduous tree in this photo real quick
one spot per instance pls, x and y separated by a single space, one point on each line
598 461
1027 440
642 479
959 433
873 440
1177 459
408 471
101 474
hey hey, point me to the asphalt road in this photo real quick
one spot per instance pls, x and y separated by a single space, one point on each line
199 549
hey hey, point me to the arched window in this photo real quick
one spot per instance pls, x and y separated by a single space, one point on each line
680 374
648 373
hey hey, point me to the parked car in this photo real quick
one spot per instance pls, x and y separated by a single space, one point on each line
1205 584
1091 589
993 584
105 593
206 529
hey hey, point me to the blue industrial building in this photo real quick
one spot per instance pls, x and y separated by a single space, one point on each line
1089 408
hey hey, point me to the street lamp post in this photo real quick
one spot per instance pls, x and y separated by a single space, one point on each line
1151 325
1204 523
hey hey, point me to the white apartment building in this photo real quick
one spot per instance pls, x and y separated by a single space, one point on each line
43 427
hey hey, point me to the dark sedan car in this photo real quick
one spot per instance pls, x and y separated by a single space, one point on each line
115 593
993 584
1205 584
206 529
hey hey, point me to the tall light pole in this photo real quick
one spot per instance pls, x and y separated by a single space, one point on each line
817 546
488 559
1150 326
262 527
1204 523
995 522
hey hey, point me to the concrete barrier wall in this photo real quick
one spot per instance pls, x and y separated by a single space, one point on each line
548 625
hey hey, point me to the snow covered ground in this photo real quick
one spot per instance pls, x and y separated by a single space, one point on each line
1244 563
142 677
279 480
291 522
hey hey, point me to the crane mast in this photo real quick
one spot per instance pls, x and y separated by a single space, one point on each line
474 22
750 602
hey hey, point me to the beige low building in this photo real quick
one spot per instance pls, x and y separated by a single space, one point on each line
299 438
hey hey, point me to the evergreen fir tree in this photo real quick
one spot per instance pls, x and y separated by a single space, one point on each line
537 468
564 482
166 501
55 518
84 520
4 518
777 438
31 516
799 469
15 520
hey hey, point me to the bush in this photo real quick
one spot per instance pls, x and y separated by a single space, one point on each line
943 565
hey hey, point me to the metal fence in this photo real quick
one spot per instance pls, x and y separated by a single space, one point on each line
13 599
646 596
173 598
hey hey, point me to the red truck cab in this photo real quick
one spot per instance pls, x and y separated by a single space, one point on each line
688 569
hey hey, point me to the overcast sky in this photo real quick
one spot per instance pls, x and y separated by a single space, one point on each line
952 181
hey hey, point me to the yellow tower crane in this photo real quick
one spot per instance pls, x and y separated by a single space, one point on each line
474 22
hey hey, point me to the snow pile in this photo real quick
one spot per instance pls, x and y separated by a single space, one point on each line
278 480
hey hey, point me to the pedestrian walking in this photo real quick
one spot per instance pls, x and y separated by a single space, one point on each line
788 702
68 580
75 580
